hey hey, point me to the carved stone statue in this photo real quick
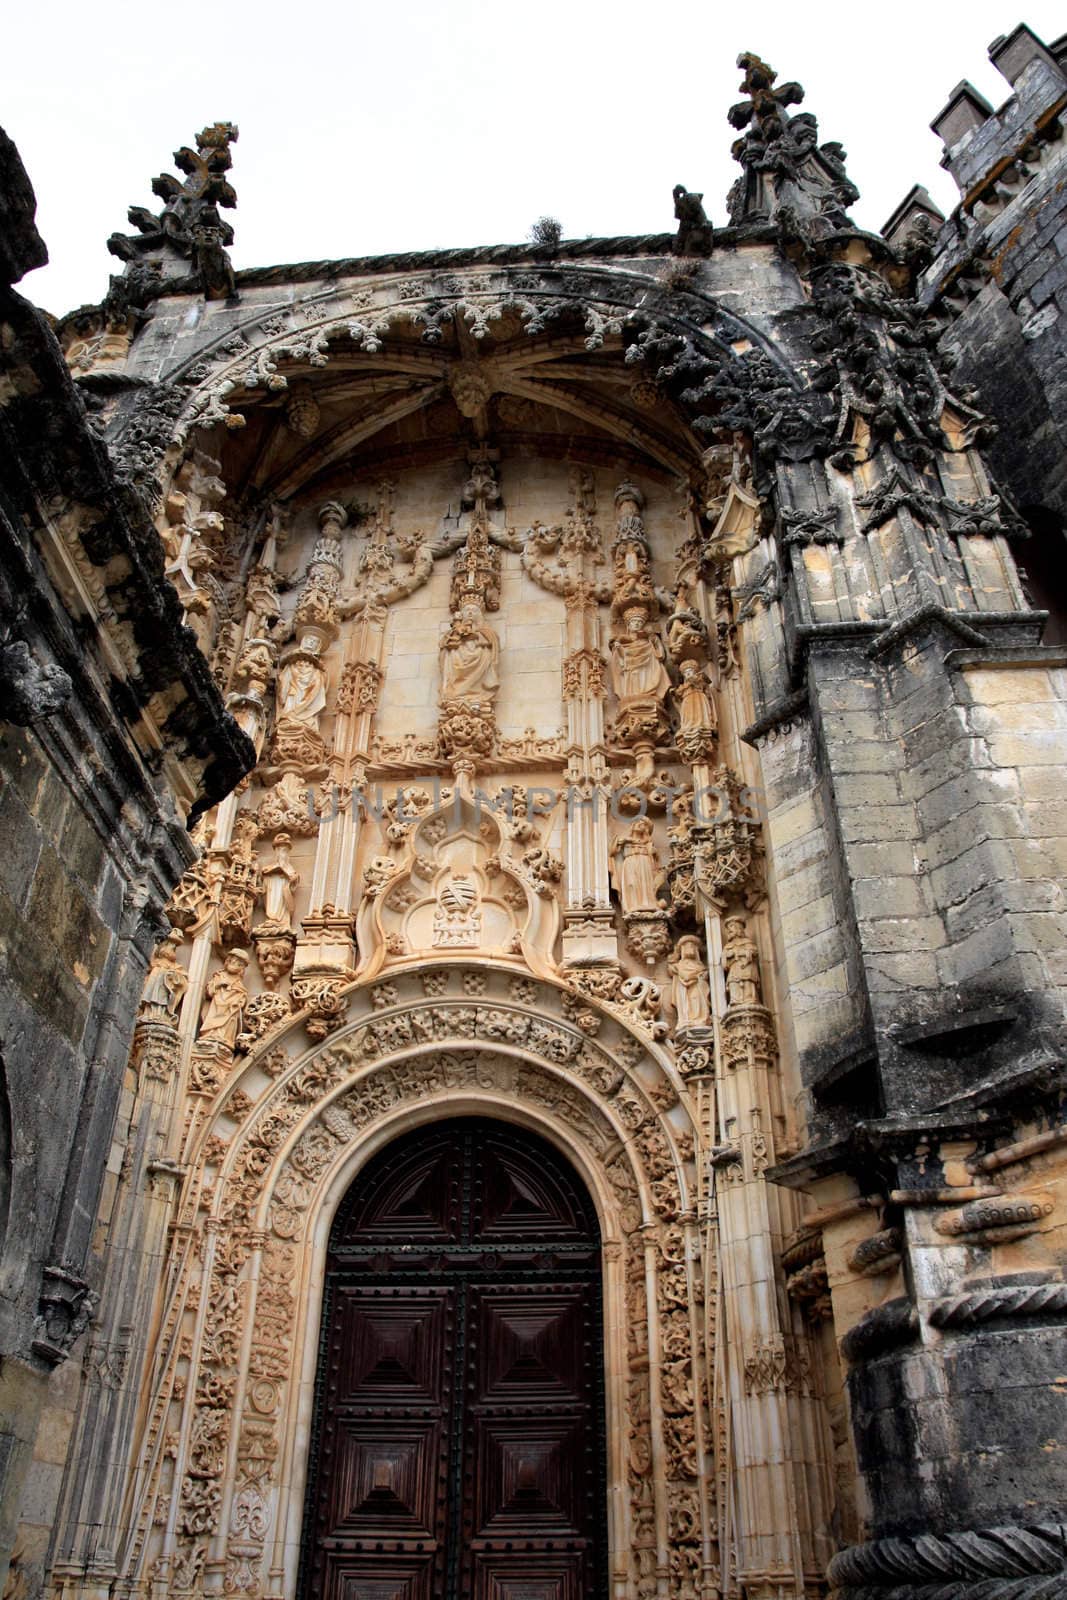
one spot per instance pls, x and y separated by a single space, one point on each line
690 988
740 961
279 881
638 672
694 236
165 984
470 653
635 870
302 685
697 719
225 998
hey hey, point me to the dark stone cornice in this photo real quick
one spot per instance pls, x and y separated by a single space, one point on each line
778 717
569 252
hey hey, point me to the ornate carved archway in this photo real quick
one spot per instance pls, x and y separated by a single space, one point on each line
223 1443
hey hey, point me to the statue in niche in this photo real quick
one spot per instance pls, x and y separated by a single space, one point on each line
302 684
740 961
690 988
635 870
638 671
697 719
166 982
470 655
280 880
225 998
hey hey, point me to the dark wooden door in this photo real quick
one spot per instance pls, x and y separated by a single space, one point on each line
458 1436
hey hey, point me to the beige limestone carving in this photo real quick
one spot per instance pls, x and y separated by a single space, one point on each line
638 672
165 983
697 720
225 1000
637 874
740 960
639 881
324 1066
470 655
690 985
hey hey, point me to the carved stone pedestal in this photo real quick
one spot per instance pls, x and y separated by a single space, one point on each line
320 992
748 1038
155 1050
589 940
275 947
210 1063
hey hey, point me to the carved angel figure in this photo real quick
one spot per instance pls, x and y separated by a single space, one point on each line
690 989
470 652
638 673
225 998
740 961
166 982
635 869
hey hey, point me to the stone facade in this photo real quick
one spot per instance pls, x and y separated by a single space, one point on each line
654 746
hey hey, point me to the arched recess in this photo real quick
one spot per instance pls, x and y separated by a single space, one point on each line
457 1441
383 366
227 1397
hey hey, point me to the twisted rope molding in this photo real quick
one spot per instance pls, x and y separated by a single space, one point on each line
1029 1300
889 1325
1008 1563
994 1589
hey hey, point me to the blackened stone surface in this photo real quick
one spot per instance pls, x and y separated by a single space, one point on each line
965 1435
21 246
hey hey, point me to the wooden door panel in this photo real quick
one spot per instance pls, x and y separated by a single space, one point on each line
516 1199
528 1473
385 1478
529 1344
458 1443
528 1576
357 1577
391 1345
413 1195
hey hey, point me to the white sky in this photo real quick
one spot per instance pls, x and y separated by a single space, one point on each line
409 124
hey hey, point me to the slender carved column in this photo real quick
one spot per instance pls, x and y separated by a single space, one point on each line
470 650
589 938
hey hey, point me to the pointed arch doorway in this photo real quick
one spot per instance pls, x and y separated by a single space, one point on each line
458 1439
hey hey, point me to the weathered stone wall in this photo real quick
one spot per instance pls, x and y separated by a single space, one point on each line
998 282
109 731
